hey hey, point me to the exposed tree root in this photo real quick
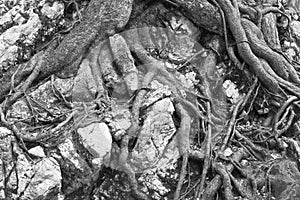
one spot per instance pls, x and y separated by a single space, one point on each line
128 169
221 169
105 18
214 185
287 126
207 159
102 18
282 109
184 145
254 147
279 64
233 18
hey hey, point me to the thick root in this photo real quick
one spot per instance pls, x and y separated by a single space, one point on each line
257 43
233 17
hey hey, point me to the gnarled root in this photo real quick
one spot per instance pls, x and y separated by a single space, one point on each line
215 184
221 169
233 18
128 170
183 143
257 43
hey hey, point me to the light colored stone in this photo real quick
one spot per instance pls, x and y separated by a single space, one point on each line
54 11
159 92
96 138
68 151
157 130
37 151
291 53
295 28
45 182
164 105
85 87
8 40
25 173
188 80
2 180
121 118
231 91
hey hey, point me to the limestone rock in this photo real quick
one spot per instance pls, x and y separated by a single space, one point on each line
68 152
85 87
284 178
8 40
45 182
97 139
37 151
295 28
156 132
53 11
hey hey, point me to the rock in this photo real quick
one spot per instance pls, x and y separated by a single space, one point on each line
154 137
284 178
97 140
53 11
231 91
2 180
295 28
9 16
159 92
7 163
163 106
290 53
119 120
42 101
188 80
154 184
8 40
77 173
85 87
37 151
68 152
181 48
25 173
45 182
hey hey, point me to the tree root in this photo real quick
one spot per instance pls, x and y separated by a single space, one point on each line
281 110
157 68
102 18
254 147
231 125
279 64
183 140
154 68
221 169
215 184
241 190
128 169
207 159
233 18
247 175
277 132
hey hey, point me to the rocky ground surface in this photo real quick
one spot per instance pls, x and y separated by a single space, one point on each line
153 108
